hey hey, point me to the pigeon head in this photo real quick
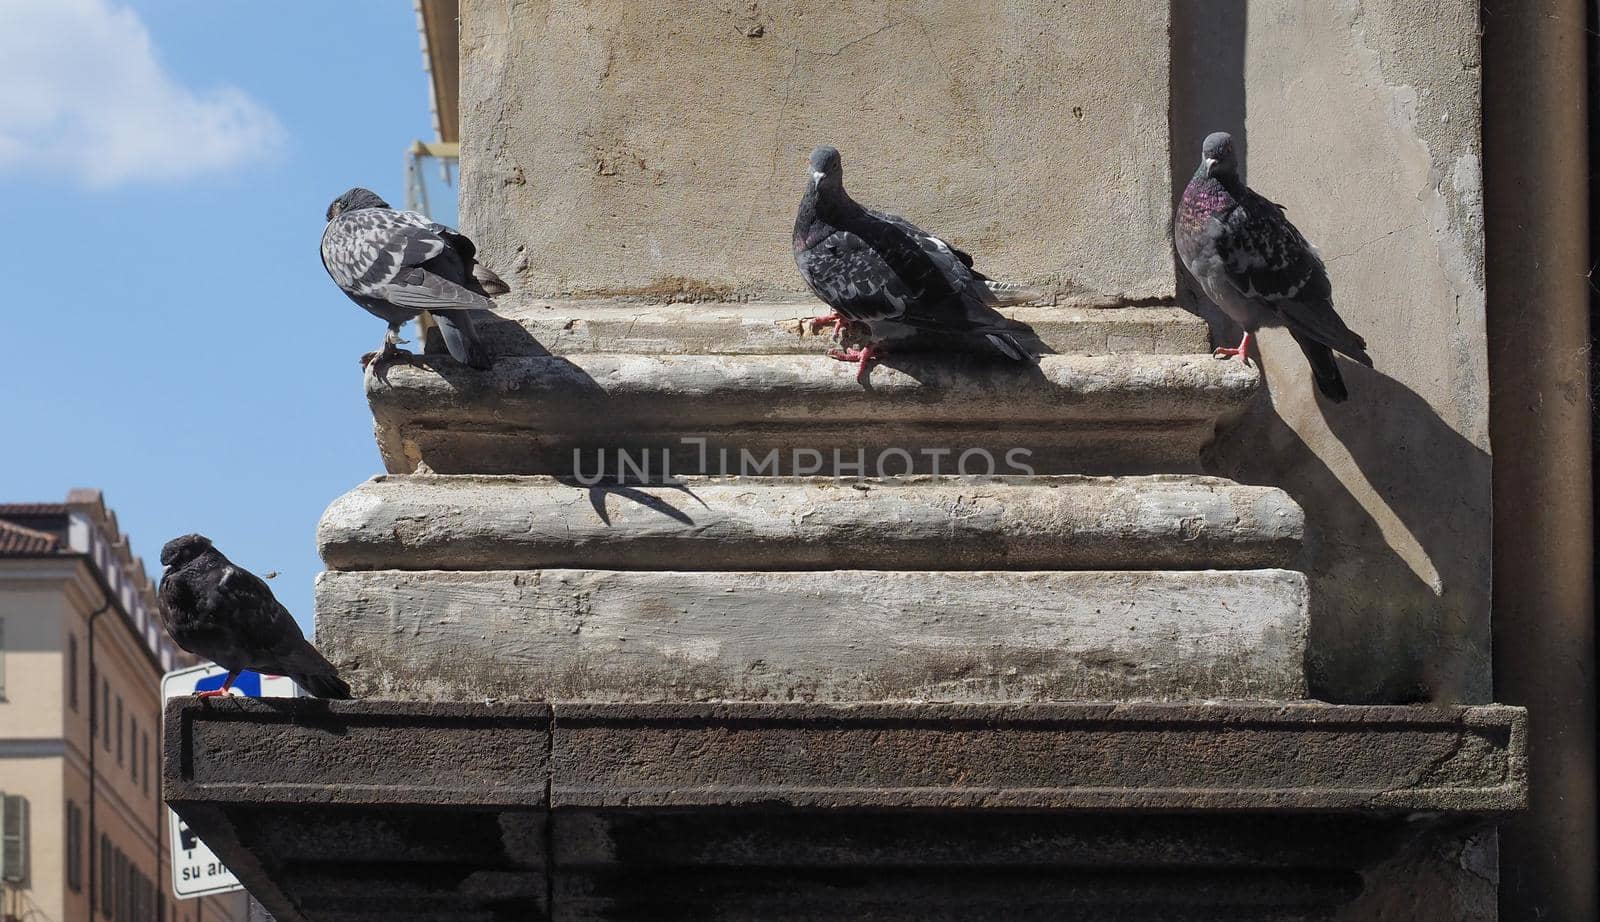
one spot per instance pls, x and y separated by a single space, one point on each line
179 551
355 200
1216 156
826 169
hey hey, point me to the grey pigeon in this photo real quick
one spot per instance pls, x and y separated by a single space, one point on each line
216 609
1258 268
397 264
900 283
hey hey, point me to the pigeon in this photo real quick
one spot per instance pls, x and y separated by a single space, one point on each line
223 612
397 264
1257 267
899 283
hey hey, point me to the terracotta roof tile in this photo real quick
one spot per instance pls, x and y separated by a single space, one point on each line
10 509
17 541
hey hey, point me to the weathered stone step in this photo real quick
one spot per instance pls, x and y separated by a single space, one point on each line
827 636
768 328
1068 414
946 523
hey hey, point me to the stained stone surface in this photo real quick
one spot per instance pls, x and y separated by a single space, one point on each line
469 522
842 635
650 327
552 414
656 147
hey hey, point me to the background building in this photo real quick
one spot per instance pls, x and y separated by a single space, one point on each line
82 651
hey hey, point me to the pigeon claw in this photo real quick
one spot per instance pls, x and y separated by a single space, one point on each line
389 353
1228 352
831 320
865 355
213 693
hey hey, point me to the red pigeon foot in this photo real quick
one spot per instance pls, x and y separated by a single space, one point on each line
863 355
831 320
1227 352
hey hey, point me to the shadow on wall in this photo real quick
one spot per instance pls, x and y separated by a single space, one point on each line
1388 584
1399 574
1207 93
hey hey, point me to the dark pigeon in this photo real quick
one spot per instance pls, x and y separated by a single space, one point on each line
899 283
223 612
1255 265
397 264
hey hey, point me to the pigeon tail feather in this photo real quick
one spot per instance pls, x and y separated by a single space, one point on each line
490 283
324 685
1008 346
461 338
1007 294
1325 367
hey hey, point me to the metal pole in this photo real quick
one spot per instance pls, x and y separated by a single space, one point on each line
1536 199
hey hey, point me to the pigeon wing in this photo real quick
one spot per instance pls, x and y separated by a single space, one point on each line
269 636
853 278
912 251
423 290
961 298
1268 261
456 240
262 627
366 250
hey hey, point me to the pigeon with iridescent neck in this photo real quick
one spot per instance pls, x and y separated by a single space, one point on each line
1258 269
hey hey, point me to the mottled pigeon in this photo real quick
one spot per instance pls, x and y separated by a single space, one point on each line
1255 265
223 612
890 277
397 264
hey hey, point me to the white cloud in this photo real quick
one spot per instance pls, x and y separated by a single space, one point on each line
82 92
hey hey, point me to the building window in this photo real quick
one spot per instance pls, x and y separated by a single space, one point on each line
105 876
105 714
133 749
72 672
119 729
74 848
144 746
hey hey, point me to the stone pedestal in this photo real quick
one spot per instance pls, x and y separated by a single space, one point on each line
700 568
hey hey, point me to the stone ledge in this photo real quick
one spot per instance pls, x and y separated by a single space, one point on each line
1073 413
1290 757
565 327
1213 756
462 755
826 635
484 523
1149 811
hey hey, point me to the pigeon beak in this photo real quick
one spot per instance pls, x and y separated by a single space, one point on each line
816 175
1208 163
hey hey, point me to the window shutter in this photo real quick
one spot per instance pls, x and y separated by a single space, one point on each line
13 838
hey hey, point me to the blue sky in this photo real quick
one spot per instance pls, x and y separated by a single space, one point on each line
170 335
